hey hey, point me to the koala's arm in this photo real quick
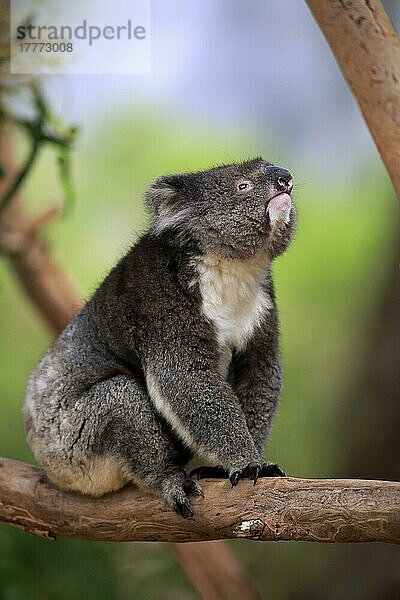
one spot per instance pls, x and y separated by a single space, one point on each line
257 380
184 383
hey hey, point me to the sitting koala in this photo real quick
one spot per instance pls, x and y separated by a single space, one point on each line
176 353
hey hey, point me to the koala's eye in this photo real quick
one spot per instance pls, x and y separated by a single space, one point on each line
244 185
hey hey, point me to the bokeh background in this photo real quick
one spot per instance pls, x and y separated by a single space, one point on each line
231 80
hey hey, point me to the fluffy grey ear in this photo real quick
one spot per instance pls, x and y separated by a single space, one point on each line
160 195
166 201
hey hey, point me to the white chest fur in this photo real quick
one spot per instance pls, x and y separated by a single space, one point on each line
233 299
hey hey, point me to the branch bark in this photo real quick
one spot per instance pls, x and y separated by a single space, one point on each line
367 50
325 510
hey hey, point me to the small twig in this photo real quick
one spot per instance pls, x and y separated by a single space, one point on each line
39 131
20 177
43 219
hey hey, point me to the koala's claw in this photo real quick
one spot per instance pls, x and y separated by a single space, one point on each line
182 507
254 473
234 478
176 491
192 488
271 470
250 472
217 472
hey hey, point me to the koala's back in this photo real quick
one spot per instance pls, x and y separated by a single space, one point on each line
110 331
105 341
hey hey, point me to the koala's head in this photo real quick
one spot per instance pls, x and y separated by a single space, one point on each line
232 211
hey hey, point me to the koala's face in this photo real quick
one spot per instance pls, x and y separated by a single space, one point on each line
231 211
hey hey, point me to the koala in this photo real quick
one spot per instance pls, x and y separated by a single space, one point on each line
176 353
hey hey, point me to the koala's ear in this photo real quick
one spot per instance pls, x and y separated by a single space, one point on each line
162 194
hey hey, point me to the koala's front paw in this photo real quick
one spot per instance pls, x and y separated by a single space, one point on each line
254 471
251 471
175 491
205 472
271 470
181 505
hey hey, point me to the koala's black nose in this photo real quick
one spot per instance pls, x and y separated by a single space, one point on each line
280 178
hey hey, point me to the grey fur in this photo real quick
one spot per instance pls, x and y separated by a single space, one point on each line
133 386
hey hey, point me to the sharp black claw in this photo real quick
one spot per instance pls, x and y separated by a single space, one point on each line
183 508
198 491
271 470
255 473
234 478
217 472
196 472
191 487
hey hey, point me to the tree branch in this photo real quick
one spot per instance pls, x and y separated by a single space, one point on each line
316 510
39 132
43 281
16 184
367 50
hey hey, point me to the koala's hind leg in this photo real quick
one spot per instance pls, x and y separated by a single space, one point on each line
120 438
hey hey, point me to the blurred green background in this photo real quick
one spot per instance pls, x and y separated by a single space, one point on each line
227 84
328 287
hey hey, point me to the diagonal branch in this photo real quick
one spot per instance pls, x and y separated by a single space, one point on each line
315 510
367 50
40 277
20 178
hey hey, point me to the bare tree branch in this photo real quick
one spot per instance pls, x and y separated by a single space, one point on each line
40 277
315 510
367 50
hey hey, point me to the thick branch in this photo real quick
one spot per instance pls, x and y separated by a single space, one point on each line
316 510
367 50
